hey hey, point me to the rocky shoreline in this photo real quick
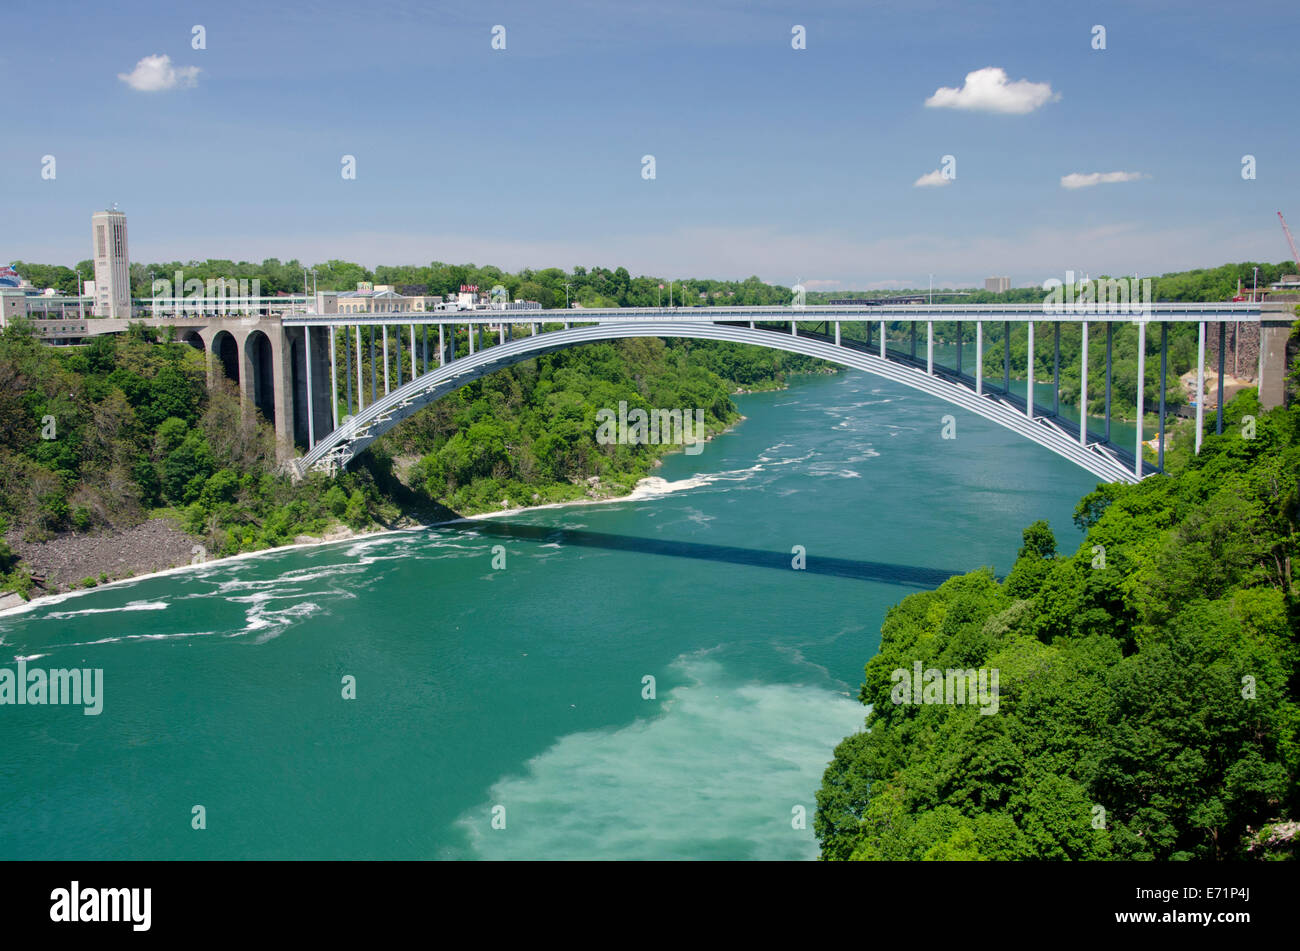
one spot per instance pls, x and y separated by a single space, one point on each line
65 562
69 559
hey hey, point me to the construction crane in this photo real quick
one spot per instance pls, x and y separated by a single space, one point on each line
1289 240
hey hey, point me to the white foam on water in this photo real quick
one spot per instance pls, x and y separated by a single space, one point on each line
132 606
268 624
831 470
795 459
715 775
122 638
863 456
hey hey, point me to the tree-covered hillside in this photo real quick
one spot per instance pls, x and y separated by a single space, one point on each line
1147 682
100 438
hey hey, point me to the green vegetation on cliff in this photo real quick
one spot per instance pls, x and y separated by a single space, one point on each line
1147 705
101 437
527 434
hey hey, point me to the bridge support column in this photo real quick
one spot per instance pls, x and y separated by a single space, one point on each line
1275 322
837 333
1223 339
442 348
414 374
794 329
1200 382
1006 357
311 393
502 328
882 340
1029 374
374 388
1164 369
397 335
1141 393
1056 368
215 370
347 365
914 340
247 384
1110 340
361 397
384 344
424 341
979 358
282 391
929 347
469 332
1083 387
334 380
959 348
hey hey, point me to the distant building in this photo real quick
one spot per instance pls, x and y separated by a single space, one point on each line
13 303
468 297
377 299
369 299
996 285
112 265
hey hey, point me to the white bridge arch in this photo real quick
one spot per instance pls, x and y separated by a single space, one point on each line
352 436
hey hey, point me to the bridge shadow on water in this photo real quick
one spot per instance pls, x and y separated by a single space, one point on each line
882 572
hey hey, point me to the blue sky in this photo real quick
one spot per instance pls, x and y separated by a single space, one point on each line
790 164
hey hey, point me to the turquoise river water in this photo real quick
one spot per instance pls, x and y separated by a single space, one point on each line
516 693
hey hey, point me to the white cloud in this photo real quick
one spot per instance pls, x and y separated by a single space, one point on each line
987 90
156 73
1087 180
931 179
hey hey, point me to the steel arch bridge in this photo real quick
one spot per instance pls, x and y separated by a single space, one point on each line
1071 441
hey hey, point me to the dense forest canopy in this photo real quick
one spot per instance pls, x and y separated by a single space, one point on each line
1147 681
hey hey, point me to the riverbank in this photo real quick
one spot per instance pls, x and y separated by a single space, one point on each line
13 604
73 563
647 488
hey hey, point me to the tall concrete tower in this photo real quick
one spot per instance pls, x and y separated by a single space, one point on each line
112 267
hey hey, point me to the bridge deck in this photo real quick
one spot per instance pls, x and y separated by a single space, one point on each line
1243 312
